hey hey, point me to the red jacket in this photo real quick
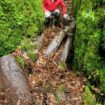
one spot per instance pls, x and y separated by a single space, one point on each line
51 6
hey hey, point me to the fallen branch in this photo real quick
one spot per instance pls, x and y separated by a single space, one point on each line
53 46
40 41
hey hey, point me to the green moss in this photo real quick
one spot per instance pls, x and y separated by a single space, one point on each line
20 60
89 99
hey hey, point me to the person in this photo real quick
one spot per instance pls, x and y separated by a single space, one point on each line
51 8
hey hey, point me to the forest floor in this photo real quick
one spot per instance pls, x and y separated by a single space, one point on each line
52 83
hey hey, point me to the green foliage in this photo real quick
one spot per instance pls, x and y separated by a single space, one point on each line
29 47
32 55
62 66
103 37
20 60
89 98
76 5
90 32
18 18
102 79
27 44
61 89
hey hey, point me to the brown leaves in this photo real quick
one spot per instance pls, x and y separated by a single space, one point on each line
52 86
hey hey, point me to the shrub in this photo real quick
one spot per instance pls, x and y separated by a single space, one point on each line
89 34
18 19
89 98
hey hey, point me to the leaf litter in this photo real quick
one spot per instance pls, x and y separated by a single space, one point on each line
49 84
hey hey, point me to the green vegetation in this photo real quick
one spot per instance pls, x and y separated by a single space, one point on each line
32 55
29 47
89 98
103 37
21 61
62 66
61 89
18 19
22 20
89 39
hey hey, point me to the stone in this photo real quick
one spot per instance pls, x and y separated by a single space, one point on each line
13 82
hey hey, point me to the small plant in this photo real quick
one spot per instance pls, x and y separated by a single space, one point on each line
32 55
89 98
25 45
61 89
29 47
62 66
20 60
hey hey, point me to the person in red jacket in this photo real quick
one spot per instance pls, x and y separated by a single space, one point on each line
51 7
